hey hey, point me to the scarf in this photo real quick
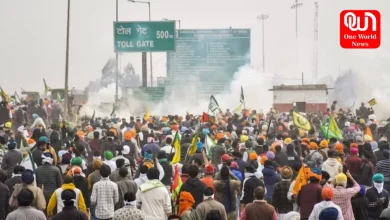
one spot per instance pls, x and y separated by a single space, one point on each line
48 160
162 160
227 197
378 186
150 184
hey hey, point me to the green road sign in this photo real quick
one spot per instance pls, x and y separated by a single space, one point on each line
144 36
212 56
149 93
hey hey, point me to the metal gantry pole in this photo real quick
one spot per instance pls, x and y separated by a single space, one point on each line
150 54
262 17
117 66
67 63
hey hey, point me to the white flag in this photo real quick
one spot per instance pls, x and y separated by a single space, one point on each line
213 106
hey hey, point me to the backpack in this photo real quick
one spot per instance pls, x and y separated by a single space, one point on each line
213 215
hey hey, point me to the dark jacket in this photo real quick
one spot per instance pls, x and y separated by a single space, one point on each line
248 189
227 197
359 206
10 183
167 179
279 197
308 196
292 158
37 156
217 153
376 202
10 160
354 163
195 187
270 179
95 145
281 158
81 183
4 197
70 212
366 173
259 210
48 179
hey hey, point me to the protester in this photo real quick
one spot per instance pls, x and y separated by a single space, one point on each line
153 198
104 195
209 205
15 179
310 195
378 197
129 211
280 201
343 195
326 210
25 212
48 176
69 210
11 158
193 185
56 201
259 209
39 201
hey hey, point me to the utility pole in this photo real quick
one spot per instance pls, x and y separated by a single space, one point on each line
315 46
117 66
262 17
67 63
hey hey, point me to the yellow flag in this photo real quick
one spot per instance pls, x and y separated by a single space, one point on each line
147 114
300 181
193 146
301 122
177 147
372 102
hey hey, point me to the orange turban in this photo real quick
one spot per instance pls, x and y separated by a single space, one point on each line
339 148
313 146
263 159
327 193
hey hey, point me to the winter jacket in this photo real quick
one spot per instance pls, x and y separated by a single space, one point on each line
125 185
10 160
308 196
209 205
195 187
70 212
270 179
4 197
354 163
221 195
281 158
56 201
359 206
333 167
279 197
249 185
48 178
10 183
376 202
39 201
168 170
26 213
217 153
366 173
93 178
292 158
81 183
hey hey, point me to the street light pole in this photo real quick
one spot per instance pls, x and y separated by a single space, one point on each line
67 63
262 17
151 57
295 6
117 66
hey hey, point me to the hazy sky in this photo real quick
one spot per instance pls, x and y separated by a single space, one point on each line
32 37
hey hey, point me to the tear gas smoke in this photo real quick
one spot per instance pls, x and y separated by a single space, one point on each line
255 85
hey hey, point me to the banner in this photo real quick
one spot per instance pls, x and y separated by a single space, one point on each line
213 106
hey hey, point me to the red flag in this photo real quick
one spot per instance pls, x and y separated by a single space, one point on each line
205 117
